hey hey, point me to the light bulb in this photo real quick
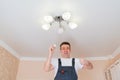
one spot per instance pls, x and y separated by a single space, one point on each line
72 25
48 19
66 16
46 26
54 45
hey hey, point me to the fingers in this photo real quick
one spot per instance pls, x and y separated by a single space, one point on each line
82 60
52 48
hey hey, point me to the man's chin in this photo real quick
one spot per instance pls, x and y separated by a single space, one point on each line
66 53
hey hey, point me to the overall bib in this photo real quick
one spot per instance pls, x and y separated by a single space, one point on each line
66 72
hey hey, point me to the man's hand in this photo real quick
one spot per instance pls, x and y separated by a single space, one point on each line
86 64
52 49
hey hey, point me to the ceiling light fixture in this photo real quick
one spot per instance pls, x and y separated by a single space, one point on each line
65 17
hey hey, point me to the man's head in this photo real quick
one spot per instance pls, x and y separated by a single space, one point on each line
65 49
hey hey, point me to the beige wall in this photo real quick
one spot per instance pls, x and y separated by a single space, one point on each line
8 65
97 73
33 70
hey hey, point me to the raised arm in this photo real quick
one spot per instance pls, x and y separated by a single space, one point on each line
86 64
47 65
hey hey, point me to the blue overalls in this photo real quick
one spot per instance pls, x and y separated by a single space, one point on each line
66 72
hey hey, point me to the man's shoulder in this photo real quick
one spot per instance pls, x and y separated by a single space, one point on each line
54 59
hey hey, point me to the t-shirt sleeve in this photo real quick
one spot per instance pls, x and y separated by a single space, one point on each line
54 62
78 64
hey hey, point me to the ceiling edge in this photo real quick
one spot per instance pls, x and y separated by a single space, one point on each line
32 58
13 52
43 58
116 52
112 65
9 49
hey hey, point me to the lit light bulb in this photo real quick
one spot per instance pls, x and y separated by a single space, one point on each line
66 16
48 19
72 25
54 45
46 26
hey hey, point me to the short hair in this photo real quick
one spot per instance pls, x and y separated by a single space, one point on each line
66 43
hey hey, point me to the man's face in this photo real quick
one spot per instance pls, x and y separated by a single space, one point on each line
65 51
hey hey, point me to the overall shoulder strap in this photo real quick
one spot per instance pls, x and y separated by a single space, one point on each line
73 62
59 62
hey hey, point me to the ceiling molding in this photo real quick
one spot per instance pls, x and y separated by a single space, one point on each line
9 49
32 59
113 65
43 58
98 58
13 52
116 52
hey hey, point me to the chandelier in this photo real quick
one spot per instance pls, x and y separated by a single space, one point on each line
65 17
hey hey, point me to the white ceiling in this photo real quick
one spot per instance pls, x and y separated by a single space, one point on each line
97 35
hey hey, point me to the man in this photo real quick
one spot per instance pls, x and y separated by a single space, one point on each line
66 68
